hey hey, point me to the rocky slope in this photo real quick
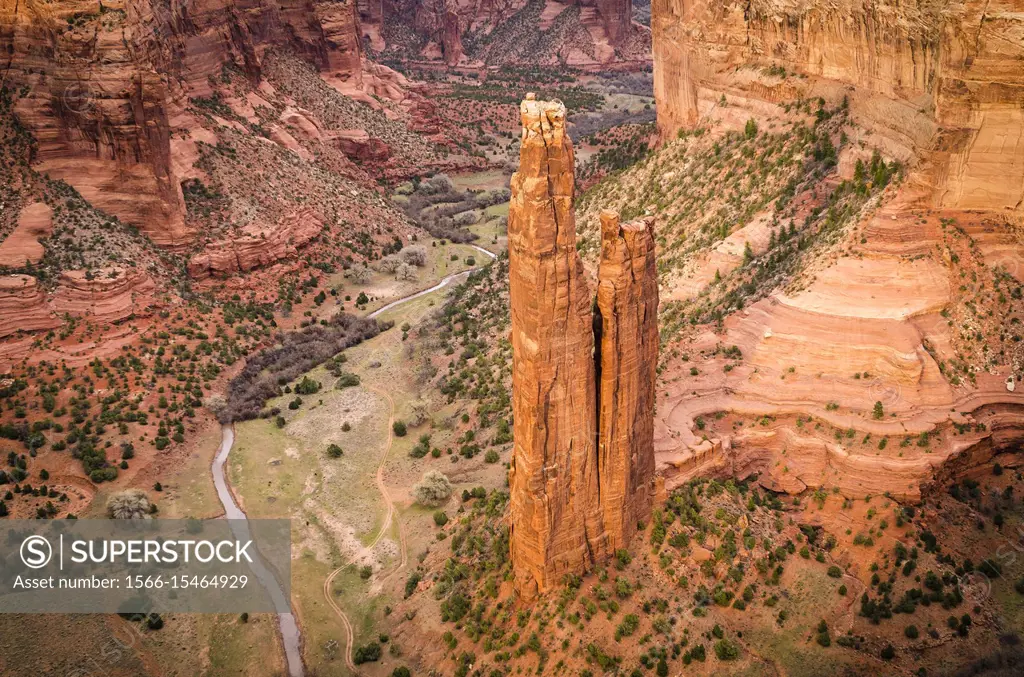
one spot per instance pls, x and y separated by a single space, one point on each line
838 199
582 474
473 33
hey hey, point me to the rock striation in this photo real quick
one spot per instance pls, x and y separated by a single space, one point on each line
105 295
626 325
257 246
941 81
581 475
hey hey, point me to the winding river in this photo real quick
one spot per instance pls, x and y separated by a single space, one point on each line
290 634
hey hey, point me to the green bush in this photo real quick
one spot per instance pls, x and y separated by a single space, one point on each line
398 427
334 451
440 518
347 380
367 653
491 456
726 650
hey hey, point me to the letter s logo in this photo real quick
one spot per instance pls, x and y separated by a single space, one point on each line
36 552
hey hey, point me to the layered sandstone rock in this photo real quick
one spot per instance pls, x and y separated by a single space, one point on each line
583 465
358 145
22 246
100 81
556 515
23 306
941 81
257 246
106 295
627 331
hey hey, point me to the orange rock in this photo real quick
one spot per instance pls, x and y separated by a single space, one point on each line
940 82
556 518
573 501
627 327
105 295
22 246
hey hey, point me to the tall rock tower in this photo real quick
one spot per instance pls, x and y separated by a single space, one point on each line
626 325
583 464
556 518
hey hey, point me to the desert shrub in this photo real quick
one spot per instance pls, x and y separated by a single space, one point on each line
726 650
307 386
128 504
334 451
433 490
367 653
491 456
347 380
440 518
405 272
398 427
415 255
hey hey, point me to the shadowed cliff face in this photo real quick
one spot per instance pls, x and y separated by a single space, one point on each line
940 80
582 473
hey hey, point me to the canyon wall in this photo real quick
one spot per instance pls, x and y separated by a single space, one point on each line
939 80
477 32
582 473
97 83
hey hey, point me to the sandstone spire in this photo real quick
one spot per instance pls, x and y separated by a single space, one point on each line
626 325
556 518
579 481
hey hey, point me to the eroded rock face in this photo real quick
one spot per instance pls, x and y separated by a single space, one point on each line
556 518
257 246
581 475
102 80
941 80
22 246
105 295
606 25
627 326
23 306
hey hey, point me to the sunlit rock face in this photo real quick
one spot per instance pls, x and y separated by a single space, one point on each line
627 326
941 80
582 475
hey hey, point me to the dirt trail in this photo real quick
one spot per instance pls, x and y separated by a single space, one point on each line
346 622
381 486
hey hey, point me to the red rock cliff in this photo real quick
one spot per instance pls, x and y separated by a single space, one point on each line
581 476
98 82
942 80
